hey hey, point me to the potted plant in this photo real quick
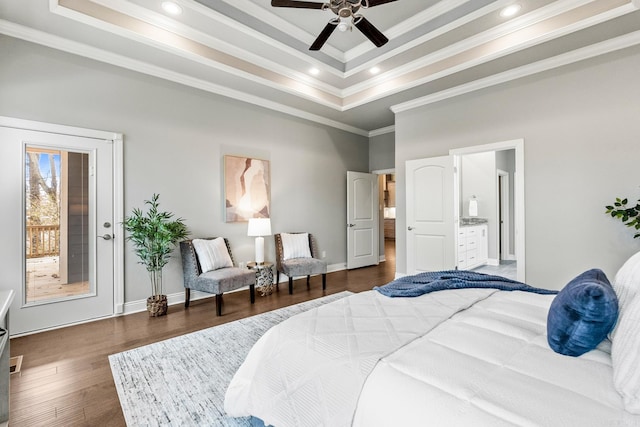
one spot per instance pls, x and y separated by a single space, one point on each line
630 216
154 235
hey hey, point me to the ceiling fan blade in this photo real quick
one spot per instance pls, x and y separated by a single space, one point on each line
371 32
324 35
298 4
371 3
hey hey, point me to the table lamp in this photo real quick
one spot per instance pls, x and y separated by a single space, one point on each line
259 227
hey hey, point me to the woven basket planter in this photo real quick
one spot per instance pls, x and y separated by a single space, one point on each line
157 305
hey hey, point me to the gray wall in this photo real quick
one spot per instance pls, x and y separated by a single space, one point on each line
581 131
382 152
175 138
382 157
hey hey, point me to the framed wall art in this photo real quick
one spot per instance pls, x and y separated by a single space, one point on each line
246 188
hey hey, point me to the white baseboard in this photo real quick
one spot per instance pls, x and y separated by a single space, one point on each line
382 258
172 299
336 267
178 297
493 261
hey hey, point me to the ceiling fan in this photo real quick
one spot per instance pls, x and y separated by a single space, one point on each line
347 18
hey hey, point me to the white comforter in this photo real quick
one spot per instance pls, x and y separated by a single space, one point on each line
465 357
309 370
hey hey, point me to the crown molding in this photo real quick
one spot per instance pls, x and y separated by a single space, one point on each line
577 55
249 6
166 23
484 58
382 131
415 21
59 43
177 44
263 71
406 26
275 21
492 34
46 39
461 46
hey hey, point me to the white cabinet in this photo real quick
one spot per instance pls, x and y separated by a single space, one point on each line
473 246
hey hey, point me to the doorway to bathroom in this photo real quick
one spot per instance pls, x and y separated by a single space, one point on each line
387 202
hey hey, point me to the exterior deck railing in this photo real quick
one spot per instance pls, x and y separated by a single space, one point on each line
43 240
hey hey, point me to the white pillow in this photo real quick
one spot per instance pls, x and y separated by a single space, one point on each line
212 254
626 284
295 245
625 356
625 338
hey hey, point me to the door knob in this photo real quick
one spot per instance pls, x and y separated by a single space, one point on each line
409 228
351 225
106 236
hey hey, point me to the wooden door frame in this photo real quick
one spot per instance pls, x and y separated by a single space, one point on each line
118 189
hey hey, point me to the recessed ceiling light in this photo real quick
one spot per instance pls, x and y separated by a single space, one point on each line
171 8
374 70
314 71
511 10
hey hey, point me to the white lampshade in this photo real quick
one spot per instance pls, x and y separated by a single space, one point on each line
259 227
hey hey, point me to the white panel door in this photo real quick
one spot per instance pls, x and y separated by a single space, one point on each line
430 215
57 213
362 220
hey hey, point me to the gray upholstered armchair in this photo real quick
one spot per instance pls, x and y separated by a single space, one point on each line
298 266
217 281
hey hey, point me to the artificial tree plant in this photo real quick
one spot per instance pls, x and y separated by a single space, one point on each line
154 235
630 216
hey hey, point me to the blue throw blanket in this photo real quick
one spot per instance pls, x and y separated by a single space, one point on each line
423 283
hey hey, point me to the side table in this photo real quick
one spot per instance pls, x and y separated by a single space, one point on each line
264 276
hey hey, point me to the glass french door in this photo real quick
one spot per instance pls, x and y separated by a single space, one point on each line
57 212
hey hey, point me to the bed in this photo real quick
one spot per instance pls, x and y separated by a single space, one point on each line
472 356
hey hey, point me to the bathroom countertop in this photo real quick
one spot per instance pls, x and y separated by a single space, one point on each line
466 222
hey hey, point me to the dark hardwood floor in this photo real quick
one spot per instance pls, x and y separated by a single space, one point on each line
66 380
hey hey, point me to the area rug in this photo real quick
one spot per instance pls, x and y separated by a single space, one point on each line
182 381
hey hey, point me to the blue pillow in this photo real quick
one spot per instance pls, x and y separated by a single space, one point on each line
582 314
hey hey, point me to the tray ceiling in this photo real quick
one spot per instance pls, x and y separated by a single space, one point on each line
248 50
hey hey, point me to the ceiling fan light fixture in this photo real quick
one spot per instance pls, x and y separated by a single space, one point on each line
345 12
346 19
344 25
510 10
171 8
